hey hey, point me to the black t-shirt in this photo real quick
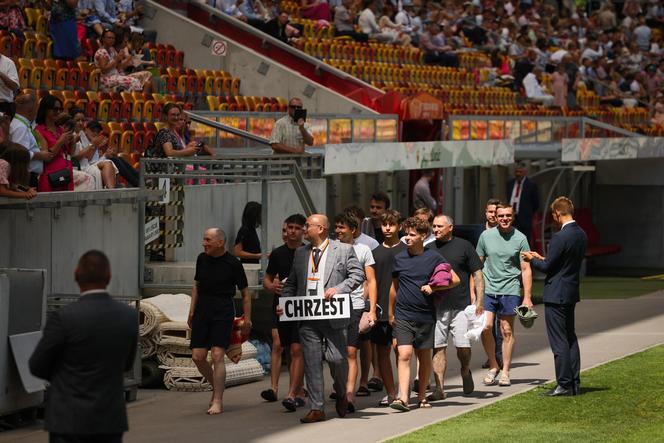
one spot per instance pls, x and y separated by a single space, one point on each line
413 272
384 258
462 256
250 242
281 262
219 276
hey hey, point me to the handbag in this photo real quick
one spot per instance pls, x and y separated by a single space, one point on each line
60 178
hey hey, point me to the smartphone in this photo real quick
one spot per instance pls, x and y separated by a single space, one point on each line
300 114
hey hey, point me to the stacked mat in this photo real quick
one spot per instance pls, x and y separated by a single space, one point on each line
165 338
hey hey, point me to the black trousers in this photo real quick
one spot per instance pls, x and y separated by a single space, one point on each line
564 344
84 438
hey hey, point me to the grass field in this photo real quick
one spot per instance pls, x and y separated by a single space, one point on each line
610 287
621 401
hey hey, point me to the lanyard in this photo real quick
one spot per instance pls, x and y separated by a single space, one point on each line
26 123
314 263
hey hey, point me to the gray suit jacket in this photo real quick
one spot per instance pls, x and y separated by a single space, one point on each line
342 271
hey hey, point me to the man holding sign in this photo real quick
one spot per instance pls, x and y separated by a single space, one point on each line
323 274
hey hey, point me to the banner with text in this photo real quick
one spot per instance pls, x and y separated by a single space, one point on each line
314 308
352 158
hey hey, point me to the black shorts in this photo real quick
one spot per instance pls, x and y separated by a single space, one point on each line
288 330
381 334
354 336
212 323
419 335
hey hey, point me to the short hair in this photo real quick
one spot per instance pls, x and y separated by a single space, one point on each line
424 211
381 197
428 172
221 235
94 126
294 98
167 108
492 202
296 219
502 205
93 269
563 205
346 218
355 211
390 216
448 218
73 111
420 226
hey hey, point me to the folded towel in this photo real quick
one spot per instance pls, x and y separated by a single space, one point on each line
442 275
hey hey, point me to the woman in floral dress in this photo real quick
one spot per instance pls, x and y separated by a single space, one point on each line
111 63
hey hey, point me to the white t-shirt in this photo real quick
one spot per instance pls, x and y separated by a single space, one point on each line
365 257
367 22
364 239
8 68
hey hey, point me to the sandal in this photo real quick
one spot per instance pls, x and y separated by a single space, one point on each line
504 380
399 405
363 392
490 378
437 395
424 404
385 401
375 384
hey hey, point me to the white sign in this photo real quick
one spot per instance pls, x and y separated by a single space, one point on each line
152 230
165 185
314 307
219 48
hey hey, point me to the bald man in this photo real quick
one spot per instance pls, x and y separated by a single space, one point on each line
212 311
20 131
325 267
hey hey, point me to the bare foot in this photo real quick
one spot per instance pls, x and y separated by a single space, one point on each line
215 408
211 401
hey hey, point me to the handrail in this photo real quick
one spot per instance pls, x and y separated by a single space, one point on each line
609 127
231 130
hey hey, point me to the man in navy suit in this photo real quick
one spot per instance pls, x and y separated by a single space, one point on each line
522 194
562 266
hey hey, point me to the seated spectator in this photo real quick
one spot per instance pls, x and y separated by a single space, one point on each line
251 12
387 26
111 63
11 17
168 141
14 177
128 13
82 180
64 31
280 29
134 61
406 19
344 19
107 12
247 244
436 52
93 130
87 154
21 132
658 115
534 91
315 10
58 141
369 26
267 10
231 7
86 14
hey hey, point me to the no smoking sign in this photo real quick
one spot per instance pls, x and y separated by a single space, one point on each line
219 48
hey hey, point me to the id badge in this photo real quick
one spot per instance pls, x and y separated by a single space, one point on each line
312 284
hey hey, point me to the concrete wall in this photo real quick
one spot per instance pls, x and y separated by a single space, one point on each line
222 206
55 239
242 62
629 210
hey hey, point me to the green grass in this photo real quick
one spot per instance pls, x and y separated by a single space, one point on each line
610 287
622 401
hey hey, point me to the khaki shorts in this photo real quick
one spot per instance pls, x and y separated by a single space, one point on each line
454 321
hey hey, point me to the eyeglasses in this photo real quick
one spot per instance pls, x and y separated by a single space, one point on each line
57 108
504 216
295 106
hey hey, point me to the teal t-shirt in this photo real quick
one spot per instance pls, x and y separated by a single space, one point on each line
502 260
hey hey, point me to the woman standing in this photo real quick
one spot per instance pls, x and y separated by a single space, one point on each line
559 86
58 172
112 63
63 30
247 245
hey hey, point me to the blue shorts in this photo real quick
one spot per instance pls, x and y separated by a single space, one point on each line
501 304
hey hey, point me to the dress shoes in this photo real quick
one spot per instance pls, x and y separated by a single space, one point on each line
341 405
559 391
313 416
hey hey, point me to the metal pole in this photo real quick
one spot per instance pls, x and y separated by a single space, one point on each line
141 228
264 221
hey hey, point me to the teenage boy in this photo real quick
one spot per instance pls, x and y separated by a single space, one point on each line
412 312
284 334
381 333
345 227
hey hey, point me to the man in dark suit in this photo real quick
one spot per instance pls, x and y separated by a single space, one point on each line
85 350
326 267
523 195
562 266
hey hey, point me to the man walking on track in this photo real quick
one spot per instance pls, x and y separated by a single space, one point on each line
562 266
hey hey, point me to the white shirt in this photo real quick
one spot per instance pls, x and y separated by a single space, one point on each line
8 68
515 199
365 258
20 131
367 240
591 54
567 223
403 19
367 22
532 86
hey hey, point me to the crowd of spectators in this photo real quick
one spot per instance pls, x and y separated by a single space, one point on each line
550 47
